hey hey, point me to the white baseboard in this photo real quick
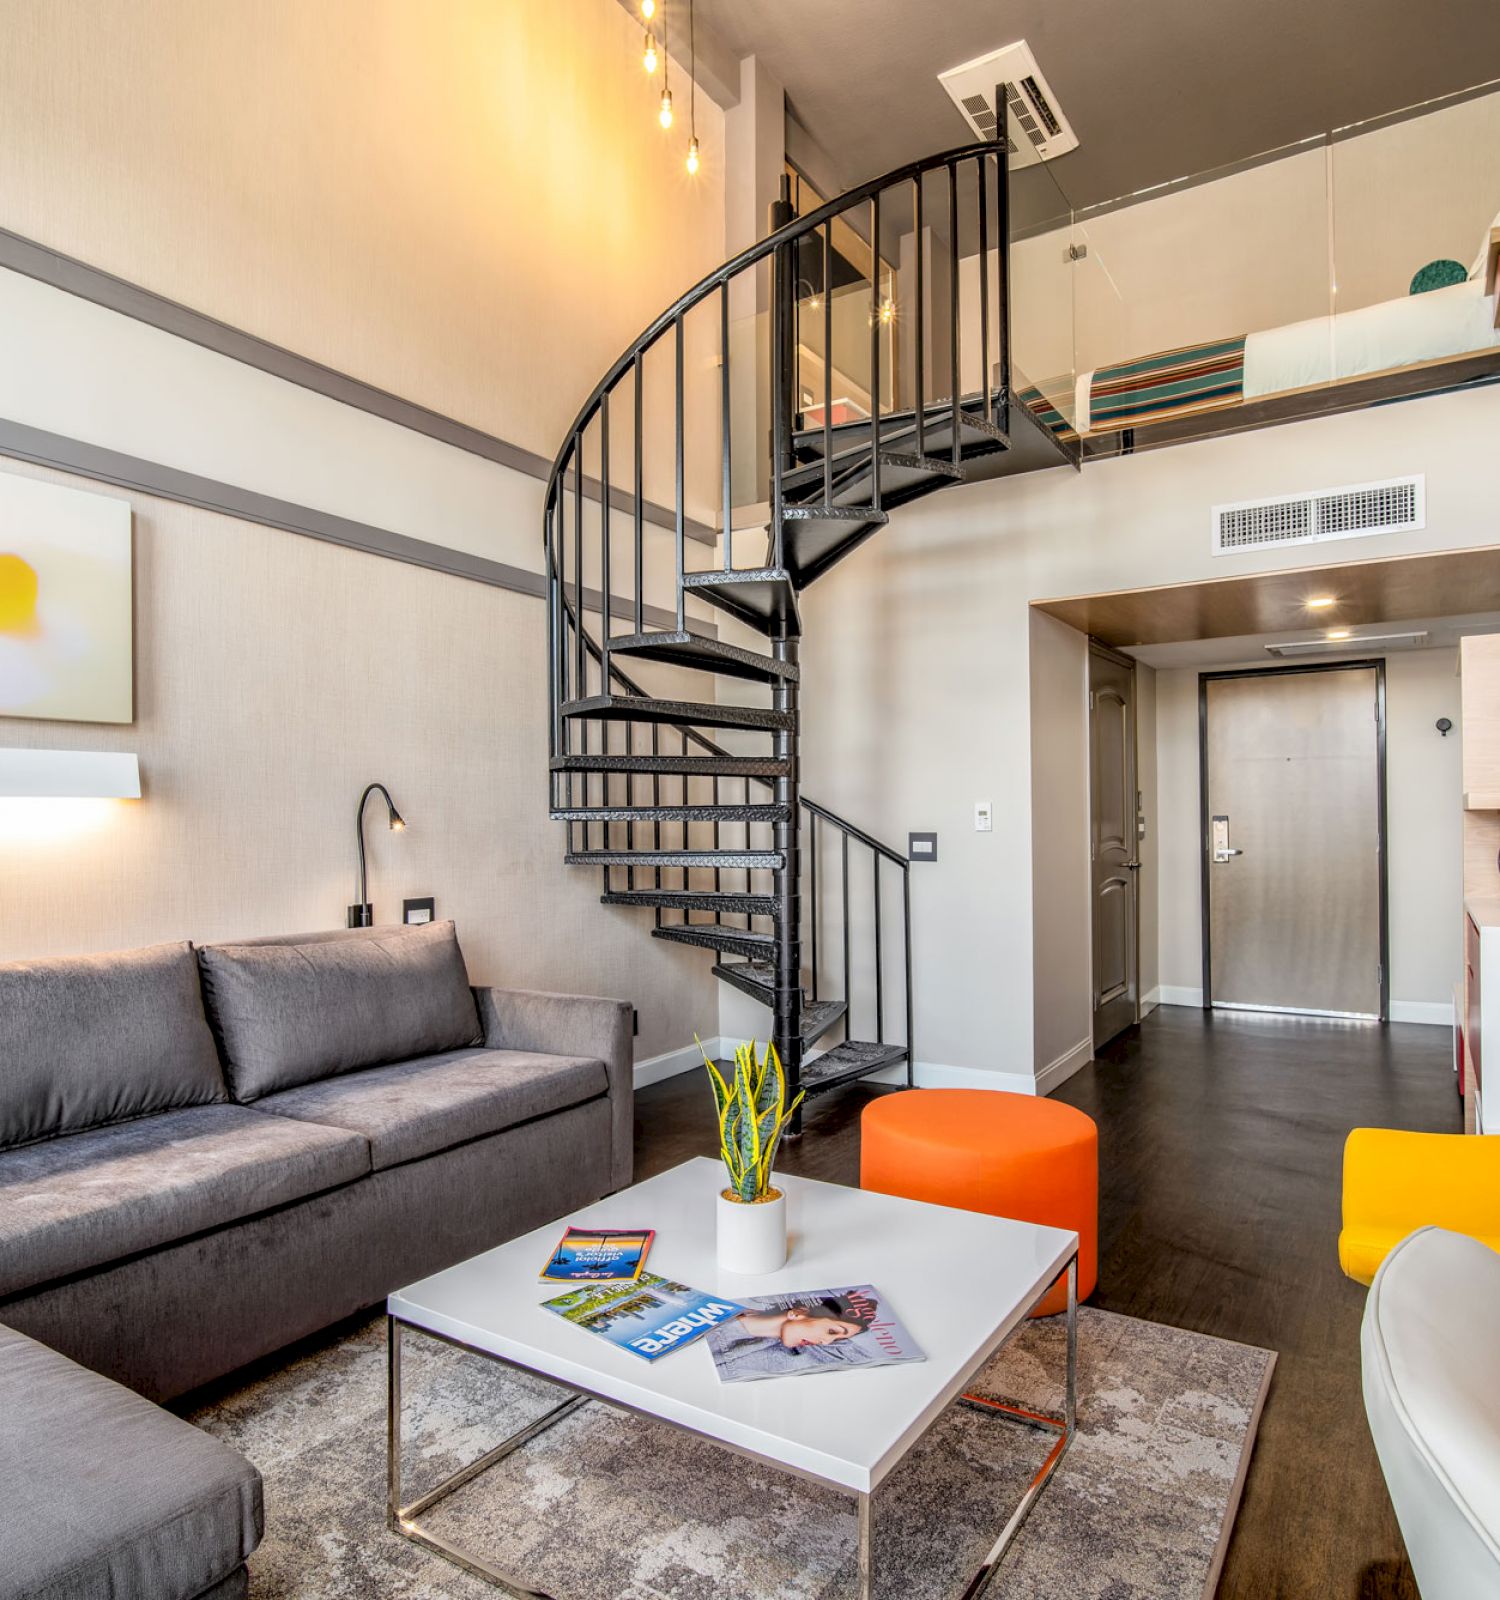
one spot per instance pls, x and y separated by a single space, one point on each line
1150 1000
655 1068
935 1075
1171 994
1063 1068
1439 1013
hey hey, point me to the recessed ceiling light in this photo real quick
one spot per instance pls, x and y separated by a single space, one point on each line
1321 602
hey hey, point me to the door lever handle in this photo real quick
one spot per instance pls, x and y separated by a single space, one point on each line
1132 866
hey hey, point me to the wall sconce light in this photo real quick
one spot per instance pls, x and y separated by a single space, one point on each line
362 913
69 775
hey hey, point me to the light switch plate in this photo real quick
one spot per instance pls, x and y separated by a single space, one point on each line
984 817
418 911
921 847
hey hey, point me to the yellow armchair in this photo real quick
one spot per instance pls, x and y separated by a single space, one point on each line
1396 1182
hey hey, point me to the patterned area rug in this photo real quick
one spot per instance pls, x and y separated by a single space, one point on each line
608 1507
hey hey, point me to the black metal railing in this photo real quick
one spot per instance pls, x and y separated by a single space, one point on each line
882 857
597 499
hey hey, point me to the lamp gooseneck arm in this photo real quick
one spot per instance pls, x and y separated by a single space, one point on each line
359 830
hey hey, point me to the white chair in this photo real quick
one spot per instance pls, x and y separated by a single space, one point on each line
1431 1357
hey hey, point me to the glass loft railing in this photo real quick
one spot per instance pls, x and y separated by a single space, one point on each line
1352 267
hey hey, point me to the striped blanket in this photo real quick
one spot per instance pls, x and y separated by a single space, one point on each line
1173 383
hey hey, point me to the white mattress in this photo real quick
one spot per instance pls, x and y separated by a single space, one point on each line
1396 333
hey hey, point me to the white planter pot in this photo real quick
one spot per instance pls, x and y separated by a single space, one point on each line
752 1238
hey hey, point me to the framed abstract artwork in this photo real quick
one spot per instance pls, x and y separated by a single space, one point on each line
65 603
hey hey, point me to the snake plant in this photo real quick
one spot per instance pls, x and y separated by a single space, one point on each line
753 1115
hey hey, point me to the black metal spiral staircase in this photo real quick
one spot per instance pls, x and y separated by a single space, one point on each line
719 842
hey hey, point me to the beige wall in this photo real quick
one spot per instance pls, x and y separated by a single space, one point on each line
916 677
275 677
1424 834
1062 985
1148 851
1261 248
470 204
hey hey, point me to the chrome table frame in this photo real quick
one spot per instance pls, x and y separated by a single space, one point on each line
402 1517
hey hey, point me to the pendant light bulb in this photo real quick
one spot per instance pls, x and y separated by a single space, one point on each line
648 59
665 115
648 9
692 156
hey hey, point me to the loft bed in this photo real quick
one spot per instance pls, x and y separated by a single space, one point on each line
1418 344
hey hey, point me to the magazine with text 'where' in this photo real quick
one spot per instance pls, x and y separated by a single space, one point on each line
823 1330
650 1317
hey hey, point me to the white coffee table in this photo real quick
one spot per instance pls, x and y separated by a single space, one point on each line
959 1281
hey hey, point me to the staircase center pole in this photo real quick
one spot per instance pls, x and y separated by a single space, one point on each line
787 1026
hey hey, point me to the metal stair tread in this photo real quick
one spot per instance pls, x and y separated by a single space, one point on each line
684 648
824 512
756 979
691 713
739 859
846 1062
737 814
761 597
716 936
699 766
744 905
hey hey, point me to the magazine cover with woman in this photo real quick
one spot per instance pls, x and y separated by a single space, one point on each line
825 1330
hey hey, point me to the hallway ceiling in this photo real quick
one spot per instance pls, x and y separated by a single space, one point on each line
1155 89
1245 612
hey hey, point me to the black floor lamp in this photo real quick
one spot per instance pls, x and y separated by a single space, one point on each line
362 914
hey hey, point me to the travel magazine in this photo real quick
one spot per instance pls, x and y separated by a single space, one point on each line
650 1317
824 1330
591 1254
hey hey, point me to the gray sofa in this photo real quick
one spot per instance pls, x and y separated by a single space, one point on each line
205 1155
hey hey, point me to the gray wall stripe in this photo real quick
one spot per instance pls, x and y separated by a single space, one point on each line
50 266
170 483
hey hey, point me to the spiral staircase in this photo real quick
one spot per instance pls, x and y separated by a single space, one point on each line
686 796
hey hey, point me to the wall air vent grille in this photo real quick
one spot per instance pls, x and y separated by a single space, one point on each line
1397 505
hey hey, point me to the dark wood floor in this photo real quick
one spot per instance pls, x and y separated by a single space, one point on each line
1220 1146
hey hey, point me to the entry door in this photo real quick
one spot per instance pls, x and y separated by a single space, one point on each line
1293 868
1113 805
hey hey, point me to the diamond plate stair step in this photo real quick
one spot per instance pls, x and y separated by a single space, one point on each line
699 766
705 813
833 513
687 649
709 936
756 979
770 859
851 471
898 429
744 905
760 597
854 1058
691 713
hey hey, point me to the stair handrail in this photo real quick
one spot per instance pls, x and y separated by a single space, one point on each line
752 256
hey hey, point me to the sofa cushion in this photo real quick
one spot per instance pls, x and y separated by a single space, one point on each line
71 1204
288 1014
89 1040
416 1108
108 1497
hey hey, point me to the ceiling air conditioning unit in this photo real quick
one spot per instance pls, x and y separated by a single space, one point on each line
1036 128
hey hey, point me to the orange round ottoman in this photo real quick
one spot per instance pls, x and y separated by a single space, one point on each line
1011 1155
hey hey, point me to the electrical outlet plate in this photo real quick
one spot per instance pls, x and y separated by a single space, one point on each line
418 911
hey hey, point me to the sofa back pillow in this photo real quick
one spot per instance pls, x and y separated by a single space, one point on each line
89 1040
291 1013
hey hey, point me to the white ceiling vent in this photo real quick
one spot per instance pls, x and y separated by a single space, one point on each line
1396 505
1381 643
1036 127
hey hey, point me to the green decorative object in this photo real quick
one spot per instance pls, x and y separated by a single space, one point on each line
1437 275
753 1115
